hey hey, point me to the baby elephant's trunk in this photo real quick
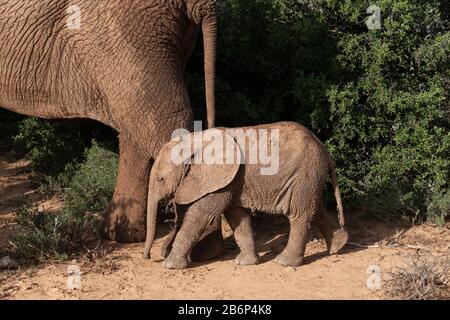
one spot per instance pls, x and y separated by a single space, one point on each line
337 193
152 210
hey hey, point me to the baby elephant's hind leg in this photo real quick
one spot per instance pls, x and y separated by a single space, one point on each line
293 254
240 221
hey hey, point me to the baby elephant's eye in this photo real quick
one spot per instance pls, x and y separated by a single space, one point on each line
161 179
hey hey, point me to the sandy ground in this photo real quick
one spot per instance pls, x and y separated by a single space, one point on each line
119 272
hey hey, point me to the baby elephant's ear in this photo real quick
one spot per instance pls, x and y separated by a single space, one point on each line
213 165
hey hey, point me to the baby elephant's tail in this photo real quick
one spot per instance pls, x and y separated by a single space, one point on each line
337 193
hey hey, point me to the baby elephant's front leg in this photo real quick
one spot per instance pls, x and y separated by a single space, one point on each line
185 240
240 221
204 212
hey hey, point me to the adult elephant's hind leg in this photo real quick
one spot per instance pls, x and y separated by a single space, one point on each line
125 217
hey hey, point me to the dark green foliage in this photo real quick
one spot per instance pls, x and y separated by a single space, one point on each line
390 123
92 186
8 127
53 145
49 146
44 236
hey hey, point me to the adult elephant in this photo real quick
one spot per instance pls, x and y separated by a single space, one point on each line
120 62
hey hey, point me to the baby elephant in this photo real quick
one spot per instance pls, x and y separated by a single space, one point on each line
278 168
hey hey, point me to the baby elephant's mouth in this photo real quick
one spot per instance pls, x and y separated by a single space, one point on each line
167 204
169 199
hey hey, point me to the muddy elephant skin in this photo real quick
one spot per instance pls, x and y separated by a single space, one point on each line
205 191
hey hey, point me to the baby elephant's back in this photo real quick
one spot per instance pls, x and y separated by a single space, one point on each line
290 140
297 142
282 155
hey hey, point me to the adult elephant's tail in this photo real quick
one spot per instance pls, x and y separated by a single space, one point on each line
209 27
337 193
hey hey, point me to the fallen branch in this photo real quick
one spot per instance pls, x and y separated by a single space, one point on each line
363 246
417 247
377 246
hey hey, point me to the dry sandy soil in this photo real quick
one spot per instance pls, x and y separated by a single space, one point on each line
119 272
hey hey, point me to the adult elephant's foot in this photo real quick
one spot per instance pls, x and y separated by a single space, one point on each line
288 261
246 259
176 262
124 221
125 217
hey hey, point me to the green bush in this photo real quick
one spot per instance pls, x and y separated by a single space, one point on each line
390 122
49 146
53 146
52 236
92 187
57 236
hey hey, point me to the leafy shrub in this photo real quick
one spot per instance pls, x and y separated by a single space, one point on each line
44 236
52 236
391 128
49 146
53 146
92 187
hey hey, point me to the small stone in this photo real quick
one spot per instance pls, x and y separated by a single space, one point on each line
290 269
8 263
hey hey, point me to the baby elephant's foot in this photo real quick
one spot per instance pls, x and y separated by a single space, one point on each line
246 259
289 261
173 262
339 240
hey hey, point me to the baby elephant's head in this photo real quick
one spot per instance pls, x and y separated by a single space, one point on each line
166 174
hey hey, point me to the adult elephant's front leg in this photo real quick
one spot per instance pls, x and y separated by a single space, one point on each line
125 217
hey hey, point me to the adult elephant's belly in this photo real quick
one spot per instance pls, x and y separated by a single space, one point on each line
40 73
49 85
57 103
63 101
